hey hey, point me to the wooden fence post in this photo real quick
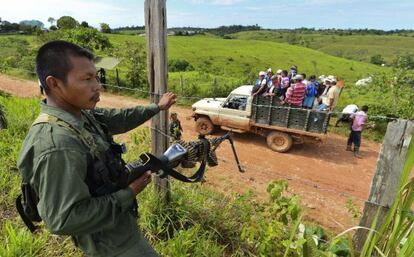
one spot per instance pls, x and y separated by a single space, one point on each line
156 28
182 84
386 181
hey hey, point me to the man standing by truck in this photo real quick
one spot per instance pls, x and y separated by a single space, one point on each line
359 120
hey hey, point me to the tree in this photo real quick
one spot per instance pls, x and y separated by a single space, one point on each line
105 28
175 65
391 94
84 24
66 22
51 20
89 38
135 59
377 59
404 62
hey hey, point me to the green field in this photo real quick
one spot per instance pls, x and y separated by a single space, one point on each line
355 47
220 65
239 58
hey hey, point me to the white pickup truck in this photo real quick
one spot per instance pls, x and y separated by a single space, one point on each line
262 115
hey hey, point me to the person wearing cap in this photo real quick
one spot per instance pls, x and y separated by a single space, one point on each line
274 88
285 82
330 96
269 75
311 92
175 127
359 120
345 116
293 72
260 85
296 92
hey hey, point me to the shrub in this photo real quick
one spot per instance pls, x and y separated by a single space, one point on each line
175 65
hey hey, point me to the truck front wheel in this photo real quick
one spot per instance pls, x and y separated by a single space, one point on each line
279 141
204 126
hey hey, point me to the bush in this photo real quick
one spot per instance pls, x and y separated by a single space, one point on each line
175 65
377 59
89 38
134 58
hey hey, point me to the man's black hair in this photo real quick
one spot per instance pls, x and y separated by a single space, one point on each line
364 108
53 59
303 75
312 77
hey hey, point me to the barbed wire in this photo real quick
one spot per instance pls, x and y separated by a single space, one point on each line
149 93
256 168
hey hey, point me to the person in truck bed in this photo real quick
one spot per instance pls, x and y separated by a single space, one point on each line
296 92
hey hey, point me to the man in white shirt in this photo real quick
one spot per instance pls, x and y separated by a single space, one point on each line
345 116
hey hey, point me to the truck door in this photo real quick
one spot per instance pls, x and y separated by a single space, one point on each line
235 112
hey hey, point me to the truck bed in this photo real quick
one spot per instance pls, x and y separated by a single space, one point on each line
267 111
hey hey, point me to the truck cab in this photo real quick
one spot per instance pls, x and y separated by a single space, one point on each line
231 113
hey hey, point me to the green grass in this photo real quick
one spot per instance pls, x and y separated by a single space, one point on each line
197 221
238 58
355 47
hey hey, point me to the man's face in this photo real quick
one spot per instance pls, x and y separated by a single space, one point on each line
82 89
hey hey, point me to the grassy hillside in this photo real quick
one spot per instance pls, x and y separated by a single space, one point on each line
355 47
236 58
241 58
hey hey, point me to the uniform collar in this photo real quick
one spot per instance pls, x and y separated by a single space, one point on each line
62 115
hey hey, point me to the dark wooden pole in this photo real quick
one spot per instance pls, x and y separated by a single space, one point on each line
156 28
386 181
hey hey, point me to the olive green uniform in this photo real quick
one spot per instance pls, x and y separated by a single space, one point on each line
54 160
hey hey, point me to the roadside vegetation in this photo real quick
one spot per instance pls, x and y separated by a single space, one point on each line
199 221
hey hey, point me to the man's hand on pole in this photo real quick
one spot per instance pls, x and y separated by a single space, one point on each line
167 100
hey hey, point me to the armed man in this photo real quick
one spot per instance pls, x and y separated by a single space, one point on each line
71 166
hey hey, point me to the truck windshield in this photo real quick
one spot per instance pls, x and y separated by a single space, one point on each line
237 102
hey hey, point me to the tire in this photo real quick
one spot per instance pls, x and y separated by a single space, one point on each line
204 126
279 141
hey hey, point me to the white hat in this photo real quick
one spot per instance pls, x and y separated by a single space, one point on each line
279 71
331 78
269 70
262 73
298 77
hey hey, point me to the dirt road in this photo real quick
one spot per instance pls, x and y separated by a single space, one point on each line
325 176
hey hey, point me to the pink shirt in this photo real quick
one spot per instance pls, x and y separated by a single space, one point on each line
295 94
359 121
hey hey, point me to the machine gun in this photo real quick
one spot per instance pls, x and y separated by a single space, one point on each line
186 154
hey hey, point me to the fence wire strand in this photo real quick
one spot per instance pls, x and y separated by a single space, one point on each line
248 168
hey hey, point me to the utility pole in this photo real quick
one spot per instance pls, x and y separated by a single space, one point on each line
156 31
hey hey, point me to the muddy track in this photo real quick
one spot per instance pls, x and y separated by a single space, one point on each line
325 175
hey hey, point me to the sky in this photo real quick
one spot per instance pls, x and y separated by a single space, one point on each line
374 14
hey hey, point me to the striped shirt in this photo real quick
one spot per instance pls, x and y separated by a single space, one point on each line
295 94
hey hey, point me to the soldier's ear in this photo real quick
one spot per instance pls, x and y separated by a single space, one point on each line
52 83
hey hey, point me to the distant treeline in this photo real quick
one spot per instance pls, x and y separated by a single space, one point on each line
128 28
346 31
220 31
225 30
